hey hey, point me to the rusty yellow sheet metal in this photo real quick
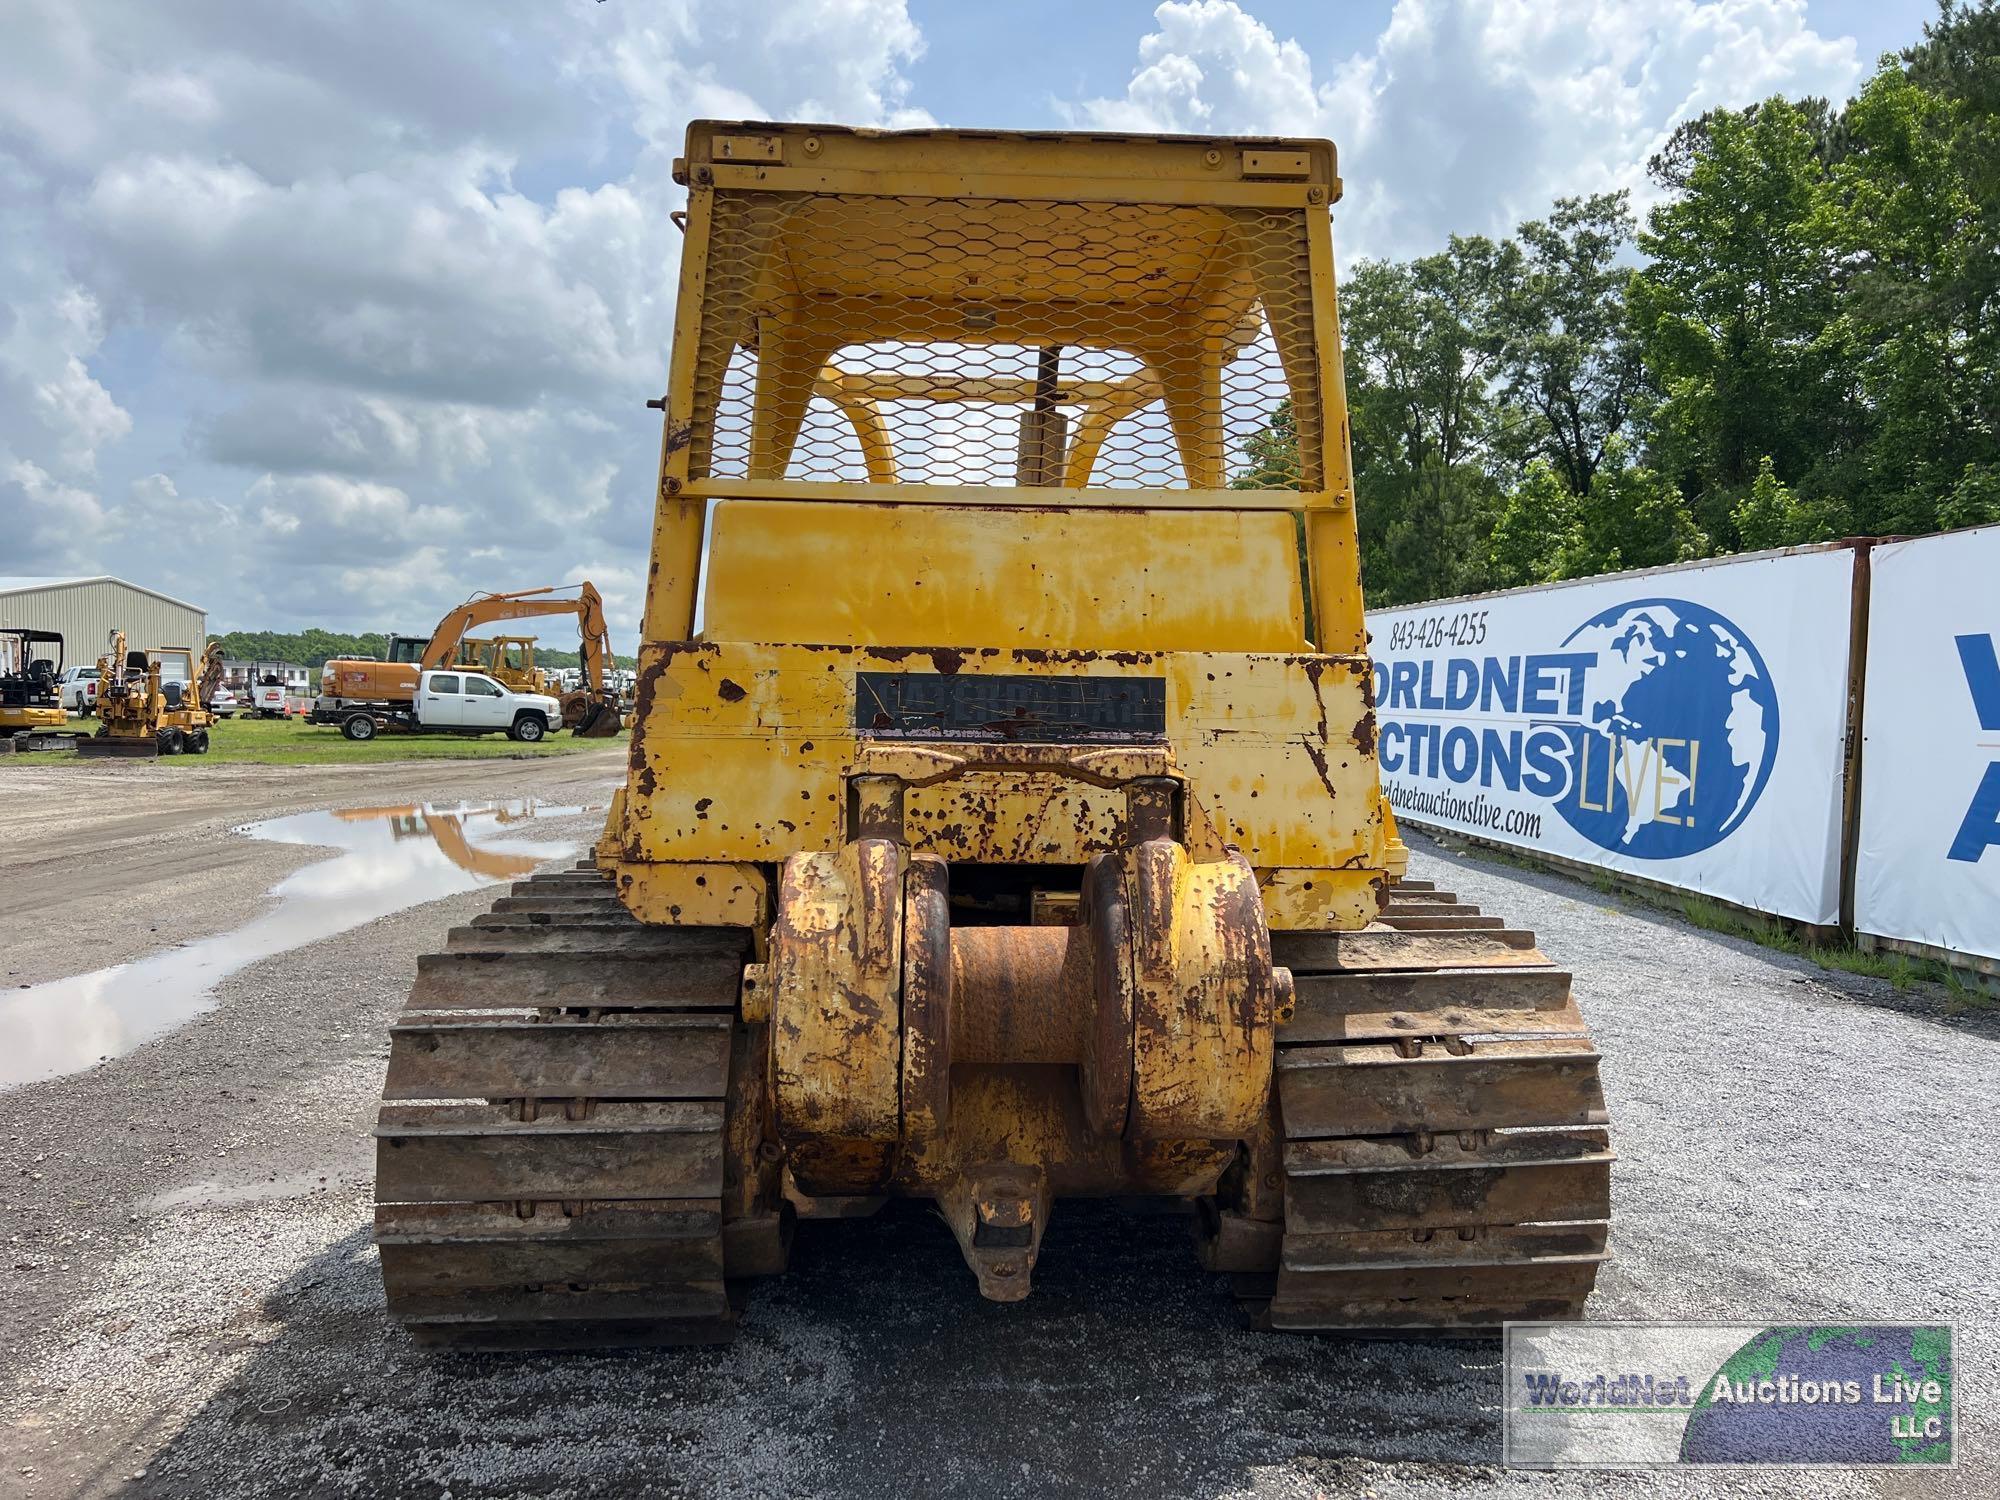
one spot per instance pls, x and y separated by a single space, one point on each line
1202 1019
836 978
1152 580
1324 900
716 893
742 751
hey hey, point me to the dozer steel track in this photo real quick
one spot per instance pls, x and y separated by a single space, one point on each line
550 1162
1439 1139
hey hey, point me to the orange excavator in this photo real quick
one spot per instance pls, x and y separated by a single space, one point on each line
348 683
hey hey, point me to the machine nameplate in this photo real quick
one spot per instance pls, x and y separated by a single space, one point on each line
993 706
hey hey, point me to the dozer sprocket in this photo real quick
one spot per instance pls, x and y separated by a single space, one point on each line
554 1145
1438 1129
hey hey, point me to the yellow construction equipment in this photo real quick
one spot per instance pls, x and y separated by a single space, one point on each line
347 684
31 663
154 702
509 659
1003 822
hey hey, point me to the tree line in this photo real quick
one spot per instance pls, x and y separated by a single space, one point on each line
1806 345
314 648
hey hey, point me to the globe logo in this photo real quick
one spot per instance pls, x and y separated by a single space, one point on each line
1679 730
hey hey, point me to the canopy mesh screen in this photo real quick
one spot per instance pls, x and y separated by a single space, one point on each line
851 338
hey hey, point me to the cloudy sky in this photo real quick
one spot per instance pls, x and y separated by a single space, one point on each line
329 312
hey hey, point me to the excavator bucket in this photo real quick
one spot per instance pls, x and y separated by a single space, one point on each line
597 718
1003 822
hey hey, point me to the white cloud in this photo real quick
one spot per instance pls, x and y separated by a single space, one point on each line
51 407
1470 115
155 489
389 589
424 277
157 524
181 96
1212 66
79 411
286 90
47 520
55 417
336 314
398 279
349 519
838 61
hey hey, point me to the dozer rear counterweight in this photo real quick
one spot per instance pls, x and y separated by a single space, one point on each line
1003 822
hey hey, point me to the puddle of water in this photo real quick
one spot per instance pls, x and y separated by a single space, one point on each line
390 858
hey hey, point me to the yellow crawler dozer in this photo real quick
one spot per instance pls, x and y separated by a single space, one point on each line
1003 822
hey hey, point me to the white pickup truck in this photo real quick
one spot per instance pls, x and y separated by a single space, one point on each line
460 702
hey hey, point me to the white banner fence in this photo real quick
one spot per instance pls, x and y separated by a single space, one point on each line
1927 865
1694 727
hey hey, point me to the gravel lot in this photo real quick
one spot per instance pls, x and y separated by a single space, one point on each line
190 1307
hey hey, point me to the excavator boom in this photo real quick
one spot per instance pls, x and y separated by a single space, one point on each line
591 711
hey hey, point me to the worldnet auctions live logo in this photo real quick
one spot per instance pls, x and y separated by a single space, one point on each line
1652 729
1619 1394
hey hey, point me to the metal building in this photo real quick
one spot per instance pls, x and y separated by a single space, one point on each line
86 610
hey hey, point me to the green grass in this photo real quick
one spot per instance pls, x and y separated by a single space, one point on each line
294 742
1899 969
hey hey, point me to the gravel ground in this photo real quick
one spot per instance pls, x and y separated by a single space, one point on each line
190 1303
